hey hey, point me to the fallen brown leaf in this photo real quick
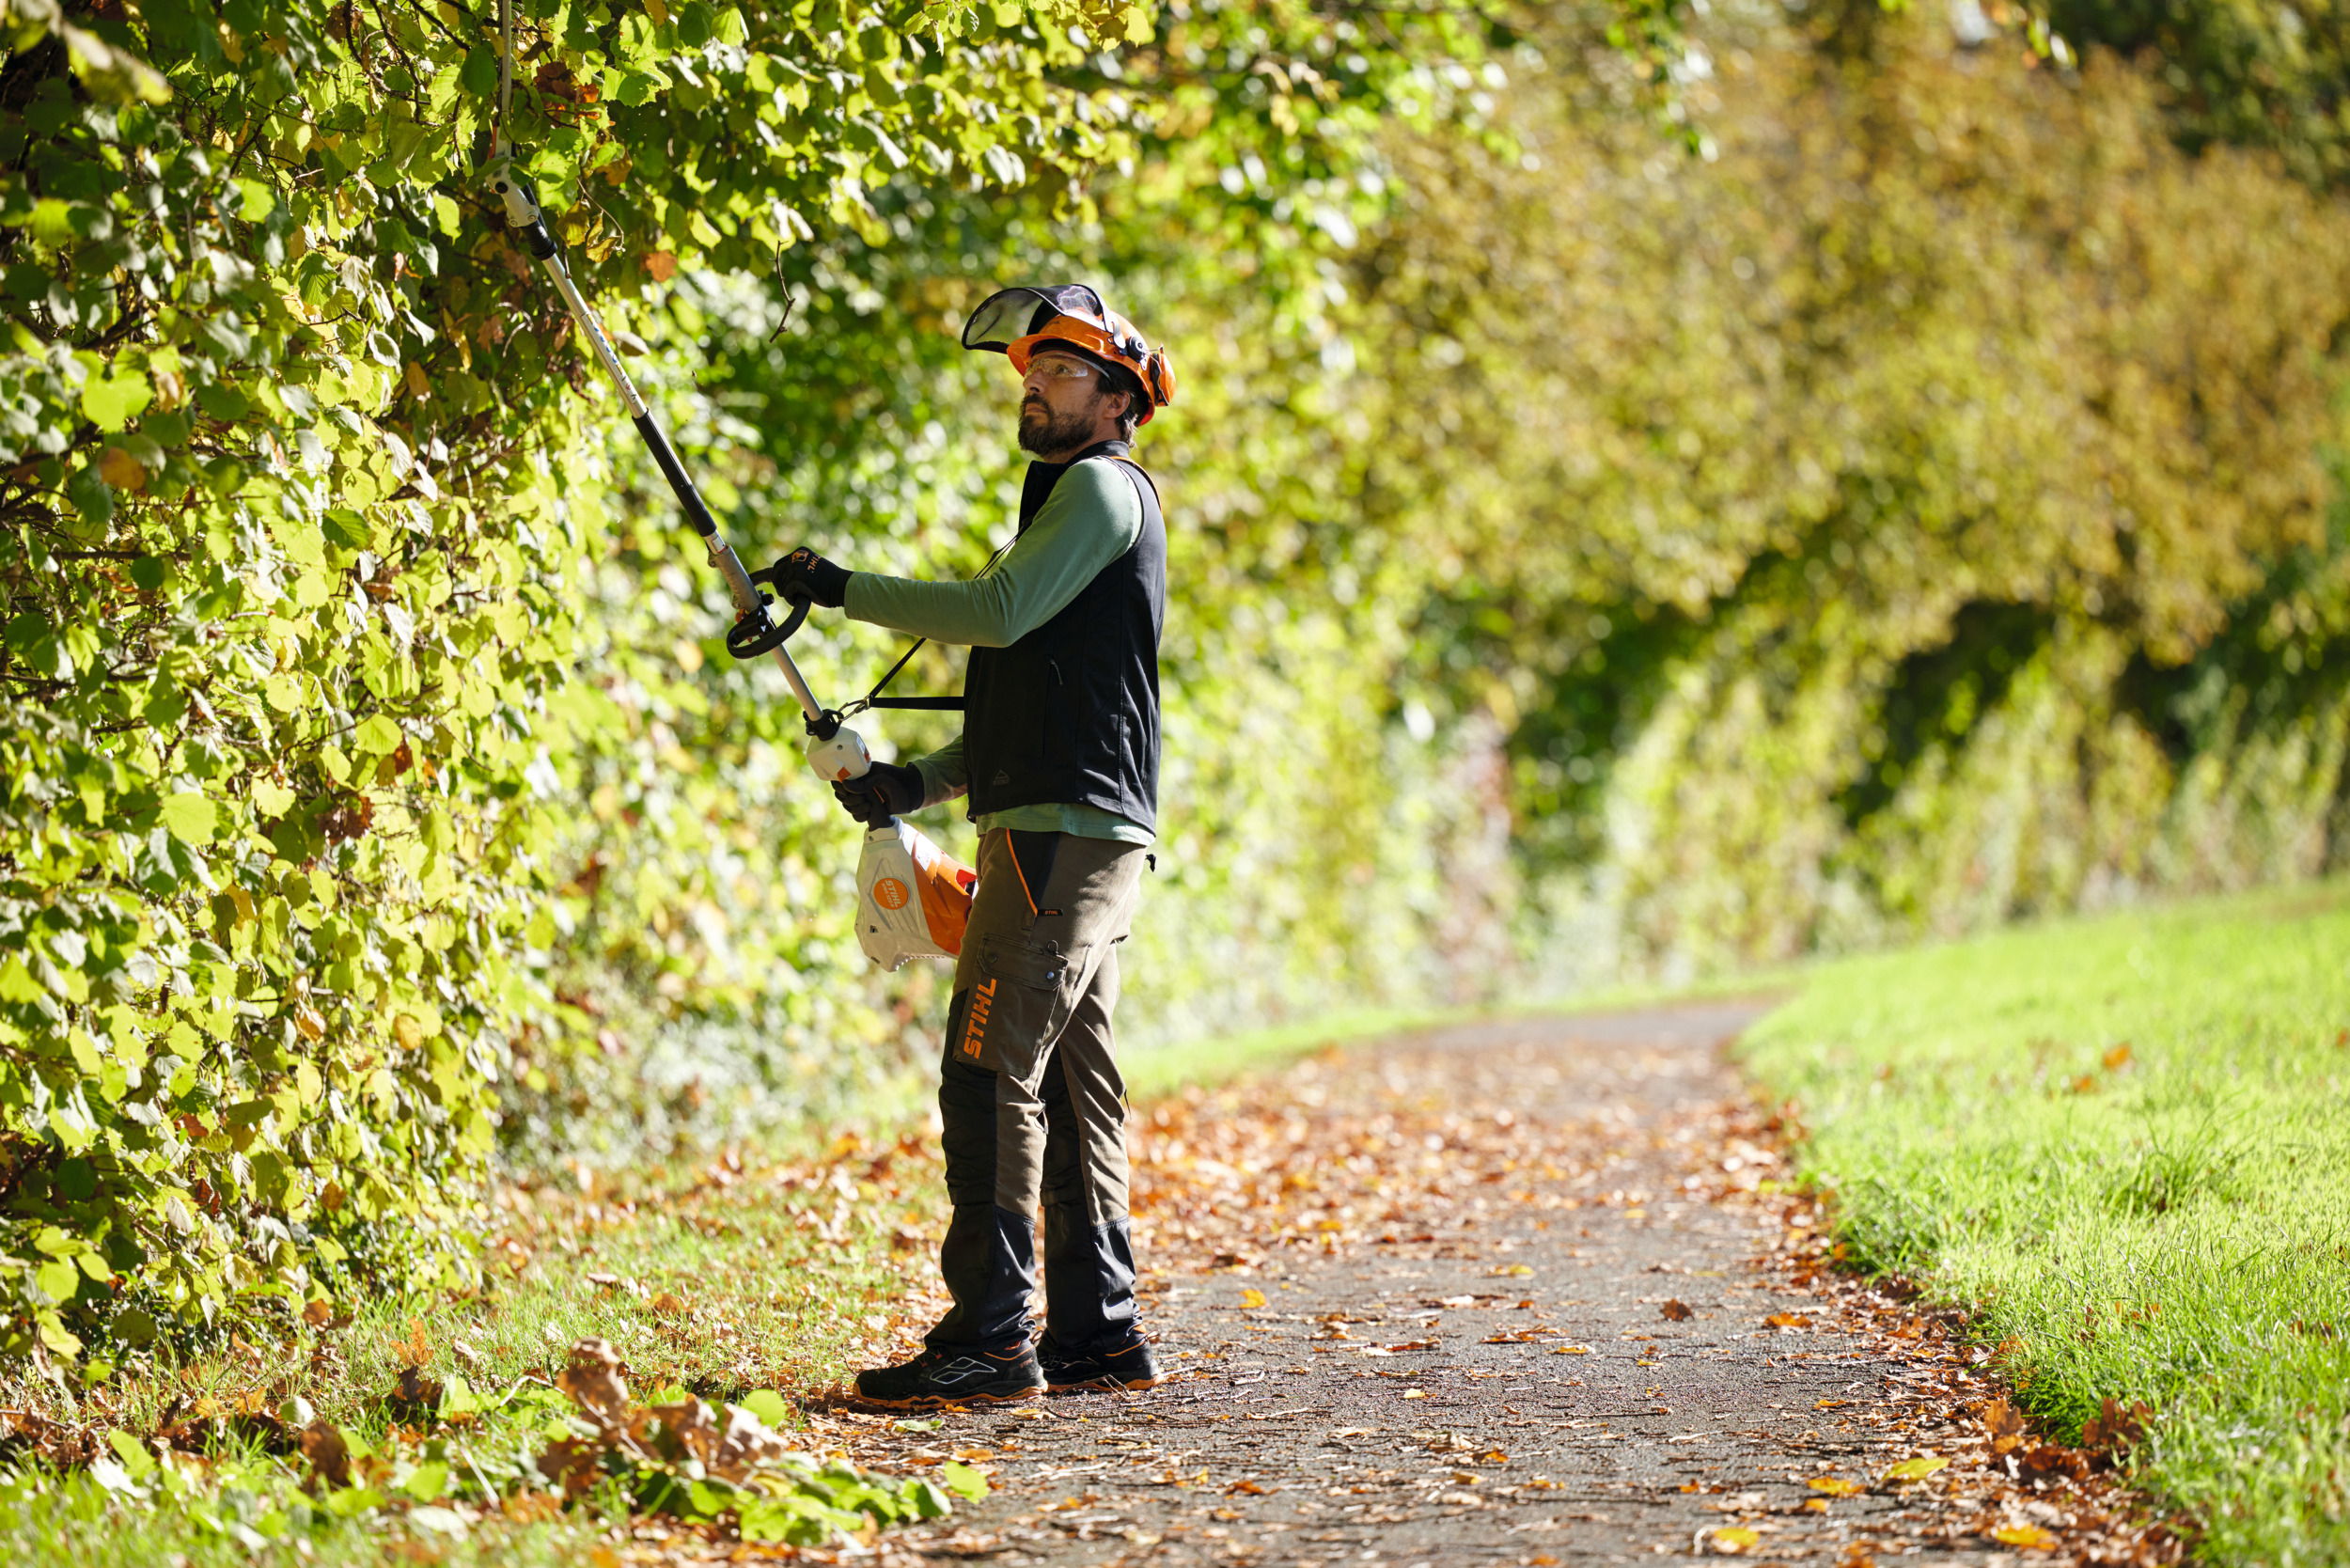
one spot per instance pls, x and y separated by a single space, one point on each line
328 1454
2116 1427
2004 1425
592 1379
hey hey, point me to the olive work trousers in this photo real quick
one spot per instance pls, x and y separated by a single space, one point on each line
1030 1098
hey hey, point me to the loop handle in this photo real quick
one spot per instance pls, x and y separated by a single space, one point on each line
756 632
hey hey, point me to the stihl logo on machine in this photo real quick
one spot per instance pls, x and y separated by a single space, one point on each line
891 893
975 1024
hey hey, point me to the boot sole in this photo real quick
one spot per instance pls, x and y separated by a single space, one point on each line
932 1401
1106 1385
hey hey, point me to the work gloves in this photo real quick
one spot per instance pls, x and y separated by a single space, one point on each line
887 791
804 573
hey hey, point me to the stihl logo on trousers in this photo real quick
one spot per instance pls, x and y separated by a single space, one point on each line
975 1021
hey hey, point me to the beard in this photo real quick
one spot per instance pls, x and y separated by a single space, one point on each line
1043 432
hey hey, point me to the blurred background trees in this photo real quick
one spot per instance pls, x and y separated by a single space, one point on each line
1650 493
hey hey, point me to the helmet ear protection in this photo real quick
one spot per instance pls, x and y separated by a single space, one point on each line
1016 321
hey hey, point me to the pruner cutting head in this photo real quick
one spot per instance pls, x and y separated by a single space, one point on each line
513 191
521 205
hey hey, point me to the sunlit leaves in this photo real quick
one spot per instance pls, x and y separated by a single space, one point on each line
290 717
362 762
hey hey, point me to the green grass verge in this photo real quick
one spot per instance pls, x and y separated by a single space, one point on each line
1170 1069
1205 1063
718 1280
2126 1142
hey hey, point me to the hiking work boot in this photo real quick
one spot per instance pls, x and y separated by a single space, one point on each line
1126 1366
952 1377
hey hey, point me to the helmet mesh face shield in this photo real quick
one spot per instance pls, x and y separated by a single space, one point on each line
1015 321
1009 315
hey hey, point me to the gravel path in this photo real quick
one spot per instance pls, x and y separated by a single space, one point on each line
1537 1331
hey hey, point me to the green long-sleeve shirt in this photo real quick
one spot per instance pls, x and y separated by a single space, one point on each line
1091 518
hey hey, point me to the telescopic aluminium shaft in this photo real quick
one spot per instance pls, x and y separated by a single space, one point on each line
524 217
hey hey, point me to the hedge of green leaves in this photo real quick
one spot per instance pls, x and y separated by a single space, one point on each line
345 649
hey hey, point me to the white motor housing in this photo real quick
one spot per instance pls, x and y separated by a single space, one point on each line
912 898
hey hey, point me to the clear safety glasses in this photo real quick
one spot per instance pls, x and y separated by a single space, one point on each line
1058 367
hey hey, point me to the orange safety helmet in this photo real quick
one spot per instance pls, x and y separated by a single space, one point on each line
1014 323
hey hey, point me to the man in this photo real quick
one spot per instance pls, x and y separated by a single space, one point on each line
1059 757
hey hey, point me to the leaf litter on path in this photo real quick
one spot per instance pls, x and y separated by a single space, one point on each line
1390 1185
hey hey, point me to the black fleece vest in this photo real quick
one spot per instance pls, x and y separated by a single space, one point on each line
1070 713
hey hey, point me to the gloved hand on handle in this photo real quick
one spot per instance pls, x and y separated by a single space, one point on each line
806 573
885 791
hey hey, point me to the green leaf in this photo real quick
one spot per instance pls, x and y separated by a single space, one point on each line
797 1518
707 1499
56 1336
114 400
962 1481
111 76
17 983
428 1482
166 702
77 1179
768 1406
55 223
352 1501
221 403
271 798
457 1395
58 1281
93 498
256 200
136 1460
1916 1469
480 73
187 816
377 736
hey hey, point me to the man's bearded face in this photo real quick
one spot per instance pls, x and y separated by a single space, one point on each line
1059 413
